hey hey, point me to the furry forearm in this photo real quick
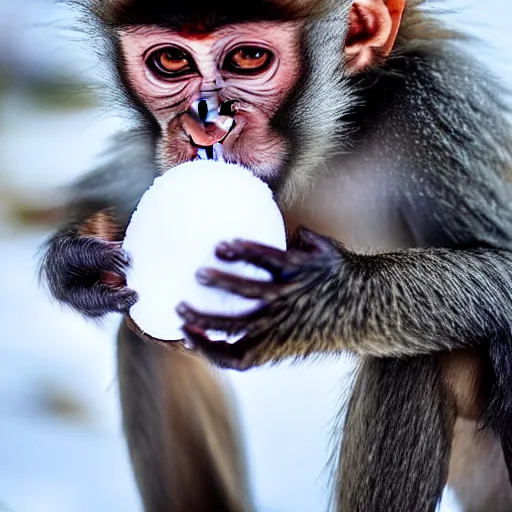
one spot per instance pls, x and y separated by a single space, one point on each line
416 301
83 266
407 302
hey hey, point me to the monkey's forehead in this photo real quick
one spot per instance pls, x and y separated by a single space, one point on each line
201 15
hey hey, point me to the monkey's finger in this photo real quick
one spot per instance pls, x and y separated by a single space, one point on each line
248 288
220 353
282 265
101 299
268 258
206 321
91 254
124 299
198 340
122 257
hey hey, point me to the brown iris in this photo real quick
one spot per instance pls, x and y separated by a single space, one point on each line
170 62
248 59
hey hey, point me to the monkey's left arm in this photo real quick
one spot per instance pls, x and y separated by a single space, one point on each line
324 299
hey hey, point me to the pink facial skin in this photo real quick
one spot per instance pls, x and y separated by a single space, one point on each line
252 142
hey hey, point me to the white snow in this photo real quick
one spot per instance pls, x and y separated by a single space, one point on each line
174 231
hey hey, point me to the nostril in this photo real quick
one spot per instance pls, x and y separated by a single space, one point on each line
227 108
202 110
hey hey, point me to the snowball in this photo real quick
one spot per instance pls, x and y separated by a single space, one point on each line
174 232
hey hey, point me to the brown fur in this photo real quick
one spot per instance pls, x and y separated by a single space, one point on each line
419 28
117 13
463 374
477 473
179 423
102 225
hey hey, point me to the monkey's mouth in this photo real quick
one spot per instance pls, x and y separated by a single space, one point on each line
213 152
205 135
219 147
208 152
204 152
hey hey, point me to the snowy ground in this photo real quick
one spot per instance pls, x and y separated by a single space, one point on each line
61 447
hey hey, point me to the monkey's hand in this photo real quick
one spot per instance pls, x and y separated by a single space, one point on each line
88 274
277 328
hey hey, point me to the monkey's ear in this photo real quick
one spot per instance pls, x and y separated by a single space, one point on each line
373 26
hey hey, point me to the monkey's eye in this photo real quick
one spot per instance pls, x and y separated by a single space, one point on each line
170 62
248 60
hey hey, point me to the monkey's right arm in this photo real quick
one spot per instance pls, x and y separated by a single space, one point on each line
83 262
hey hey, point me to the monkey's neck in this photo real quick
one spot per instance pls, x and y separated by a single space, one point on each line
351 205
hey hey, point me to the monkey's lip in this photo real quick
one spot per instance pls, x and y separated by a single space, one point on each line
235 127
199 146
227 141
234 134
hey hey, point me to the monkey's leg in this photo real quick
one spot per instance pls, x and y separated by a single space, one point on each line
397 438
180 429
498 413
478 474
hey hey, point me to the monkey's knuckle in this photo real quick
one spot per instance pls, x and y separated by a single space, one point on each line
126 302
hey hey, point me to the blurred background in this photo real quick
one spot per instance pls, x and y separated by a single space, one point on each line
61 443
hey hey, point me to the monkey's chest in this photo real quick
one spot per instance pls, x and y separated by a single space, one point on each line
353 209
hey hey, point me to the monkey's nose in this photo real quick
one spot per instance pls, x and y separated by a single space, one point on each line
207 122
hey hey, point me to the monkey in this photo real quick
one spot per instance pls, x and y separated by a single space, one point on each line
387 147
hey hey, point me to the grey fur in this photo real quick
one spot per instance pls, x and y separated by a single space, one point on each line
431 127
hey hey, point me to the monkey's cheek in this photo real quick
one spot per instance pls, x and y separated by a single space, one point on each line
257 149
175 152
174 146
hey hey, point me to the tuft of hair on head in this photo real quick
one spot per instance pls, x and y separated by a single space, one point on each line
206 15
422 28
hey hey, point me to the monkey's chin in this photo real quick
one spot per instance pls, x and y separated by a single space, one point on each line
228 151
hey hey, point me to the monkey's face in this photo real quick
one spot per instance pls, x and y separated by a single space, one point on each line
223 86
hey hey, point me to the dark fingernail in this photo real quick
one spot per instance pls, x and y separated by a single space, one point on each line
181 308
223 246
112 279
203 276
225 250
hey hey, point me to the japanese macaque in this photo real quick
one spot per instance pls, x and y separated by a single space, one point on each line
388 144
